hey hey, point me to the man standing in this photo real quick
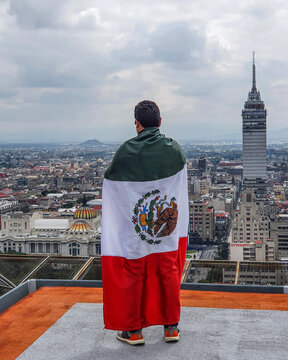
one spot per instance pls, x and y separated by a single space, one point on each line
145 217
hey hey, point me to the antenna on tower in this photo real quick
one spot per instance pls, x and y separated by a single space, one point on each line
254 73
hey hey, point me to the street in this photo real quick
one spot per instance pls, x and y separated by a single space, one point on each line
197 274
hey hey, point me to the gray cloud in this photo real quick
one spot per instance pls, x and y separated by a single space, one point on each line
80 66
33 14
177 43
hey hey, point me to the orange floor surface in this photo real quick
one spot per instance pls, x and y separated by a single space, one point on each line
29 318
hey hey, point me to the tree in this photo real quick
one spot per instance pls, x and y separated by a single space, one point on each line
223 252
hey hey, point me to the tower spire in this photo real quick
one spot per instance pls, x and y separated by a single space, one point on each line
254 89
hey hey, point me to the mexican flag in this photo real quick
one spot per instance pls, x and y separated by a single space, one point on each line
145 217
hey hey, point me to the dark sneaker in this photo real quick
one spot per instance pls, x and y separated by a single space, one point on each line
171 333
131 337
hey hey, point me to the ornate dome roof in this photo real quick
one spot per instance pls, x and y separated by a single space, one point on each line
80 226
84 213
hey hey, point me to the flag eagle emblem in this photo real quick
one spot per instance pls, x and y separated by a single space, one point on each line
154 217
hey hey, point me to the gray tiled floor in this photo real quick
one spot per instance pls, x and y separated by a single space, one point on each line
206 334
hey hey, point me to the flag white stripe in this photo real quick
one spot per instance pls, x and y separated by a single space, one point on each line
119 237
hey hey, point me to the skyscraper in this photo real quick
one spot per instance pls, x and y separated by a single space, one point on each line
254 141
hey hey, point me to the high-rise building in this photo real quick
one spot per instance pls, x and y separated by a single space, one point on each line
254 141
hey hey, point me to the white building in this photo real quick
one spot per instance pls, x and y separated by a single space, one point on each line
250 236
31 234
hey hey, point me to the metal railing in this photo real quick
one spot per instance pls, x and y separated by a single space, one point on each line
16 269
237 273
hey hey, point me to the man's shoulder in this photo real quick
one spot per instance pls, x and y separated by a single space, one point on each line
174 146
141 147
149 156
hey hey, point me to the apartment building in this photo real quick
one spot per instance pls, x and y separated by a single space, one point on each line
202 220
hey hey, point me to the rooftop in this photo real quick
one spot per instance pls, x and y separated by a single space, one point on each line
63 320
59 224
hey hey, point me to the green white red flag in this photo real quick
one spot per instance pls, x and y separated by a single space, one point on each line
145 217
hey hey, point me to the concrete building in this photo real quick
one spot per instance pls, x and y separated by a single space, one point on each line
221 224
279 234
202 220
257 273
250 236
254 141
8 205
202 165
200 186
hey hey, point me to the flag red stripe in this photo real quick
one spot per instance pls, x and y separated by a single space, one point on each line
142 292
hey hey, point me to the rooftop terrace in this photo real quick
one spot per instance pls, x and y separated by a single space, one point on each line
62 319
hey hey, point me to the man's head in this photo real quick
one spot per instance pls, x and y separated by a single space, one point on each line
147 114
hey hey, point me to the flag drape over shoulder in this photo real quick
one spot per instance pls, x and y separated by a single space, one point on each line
145 218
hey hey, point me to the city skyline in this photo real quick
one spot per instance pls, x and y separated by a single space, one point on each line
74 71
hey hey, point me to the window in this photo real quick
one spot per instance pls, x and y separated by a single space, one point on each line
47 248
74 249
40 248
98 249
32 248
55 248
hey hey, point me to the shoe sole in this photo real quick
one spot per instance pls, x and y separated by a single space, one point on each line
172 339
131 342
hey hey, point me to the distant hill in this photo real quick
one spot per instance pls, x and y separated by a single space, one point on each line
277 135
91 143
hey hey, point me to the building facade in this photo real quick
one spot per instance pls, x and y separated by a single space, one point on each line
78 235
202 221
279 234
250 234
254 141
221 224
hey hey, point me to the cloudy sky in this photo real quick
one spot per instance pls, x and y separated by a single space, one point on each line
74 70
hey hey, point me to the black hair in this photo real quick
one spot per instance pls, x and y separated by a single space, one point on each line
147 113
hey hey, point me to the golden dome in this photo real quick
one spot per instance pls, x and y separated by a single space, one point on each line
80 226
84 213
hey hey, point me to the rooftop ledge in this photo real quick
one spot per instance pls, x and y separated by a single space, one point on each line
62 319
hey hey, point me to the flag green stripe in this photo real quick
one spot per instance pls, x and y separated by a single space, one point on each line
146 157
